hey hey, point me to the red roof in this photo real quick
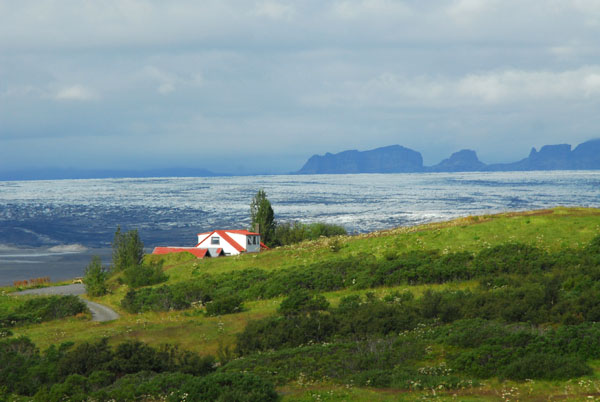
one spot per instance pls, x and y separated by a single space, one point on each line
198 252
242 232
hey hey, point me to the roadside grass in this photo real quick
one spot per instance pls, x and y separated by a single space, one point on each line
8 303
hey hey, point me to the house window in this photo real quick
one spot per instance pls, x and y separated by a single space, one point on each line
214 240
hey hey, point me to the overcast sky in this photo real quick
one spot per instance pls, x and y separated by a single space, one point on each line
259 86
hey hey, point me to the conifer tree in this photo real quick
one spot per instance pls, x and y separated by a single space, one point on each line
262 216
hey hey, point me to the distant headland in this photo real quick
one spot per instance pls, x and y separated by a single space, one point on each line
398 159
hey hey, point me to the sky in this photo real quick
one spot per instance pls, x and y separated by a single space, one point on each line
244 86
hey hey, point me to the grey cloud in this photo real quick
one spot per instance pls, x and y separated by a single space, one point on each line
155 81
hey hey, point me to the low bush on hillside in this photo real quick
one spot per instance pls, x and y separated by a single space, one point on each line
40 309
165 298
124 372
144 275
341 361
301 301
95 278
224 305
296 232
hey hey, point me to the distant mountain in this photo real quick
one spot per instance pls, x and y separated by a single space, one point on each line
398 159
557 157
461 161
391 159
60 174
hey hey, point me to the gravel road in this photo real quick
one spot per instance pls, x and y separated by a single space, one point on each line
99 312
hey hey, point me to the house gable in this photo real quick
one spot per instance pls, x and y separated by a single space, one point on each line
232 241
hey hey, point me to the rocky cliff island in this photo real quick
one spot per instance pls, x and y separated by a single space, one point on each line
398 159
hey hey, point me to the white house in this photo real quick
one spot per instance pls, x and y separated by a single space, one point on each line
218 243
232 242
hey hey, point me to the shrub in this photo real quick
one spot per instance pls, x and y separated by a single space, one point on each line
281 332
512 258
18 356
95 278
224 305
86 358
228 387
295 232
49 308
75 388
340 361
144 274
301 301
545 366
175 297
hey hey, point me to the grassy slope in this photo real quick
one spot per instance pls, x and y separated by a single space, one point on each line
550 229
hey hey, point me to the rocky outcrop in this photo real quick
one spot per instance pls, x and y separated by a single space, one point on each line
461 161
398 159
557 157
391 159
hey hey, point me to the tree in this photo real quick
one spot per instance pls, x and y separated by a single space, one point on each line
261 214
128 250
95 278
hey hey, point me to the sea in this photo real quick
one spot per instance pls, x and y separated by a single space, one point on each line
53 228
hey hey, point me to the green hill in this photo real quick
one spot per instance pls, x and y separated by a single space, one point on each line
497 307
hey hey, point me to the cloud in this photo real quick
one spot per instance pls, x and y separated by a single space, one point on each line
353 9
491 88
590 9
326 74
515 85
275 10
465 11
168 81
75 93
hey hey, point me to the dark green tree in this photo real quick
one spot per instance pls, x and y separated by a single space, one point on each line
261 215
95 278
128 250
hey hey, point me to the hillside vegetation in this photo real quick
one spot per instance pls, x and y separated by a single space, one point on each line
500 307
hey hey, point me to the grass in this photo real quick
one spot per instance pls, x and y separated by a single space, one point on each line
551 230
586 389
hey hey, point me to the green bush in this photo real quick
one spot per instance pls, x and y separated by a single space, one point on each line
18 357
282 332
165 298
86 358
301 301
227 387
341 361
42 308
512 258
296 232
546 366
95 278
144 275
224 305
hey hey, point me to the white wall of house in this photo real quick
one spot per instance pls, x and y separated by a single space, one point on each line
202 236
246 241
228 249
250 242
